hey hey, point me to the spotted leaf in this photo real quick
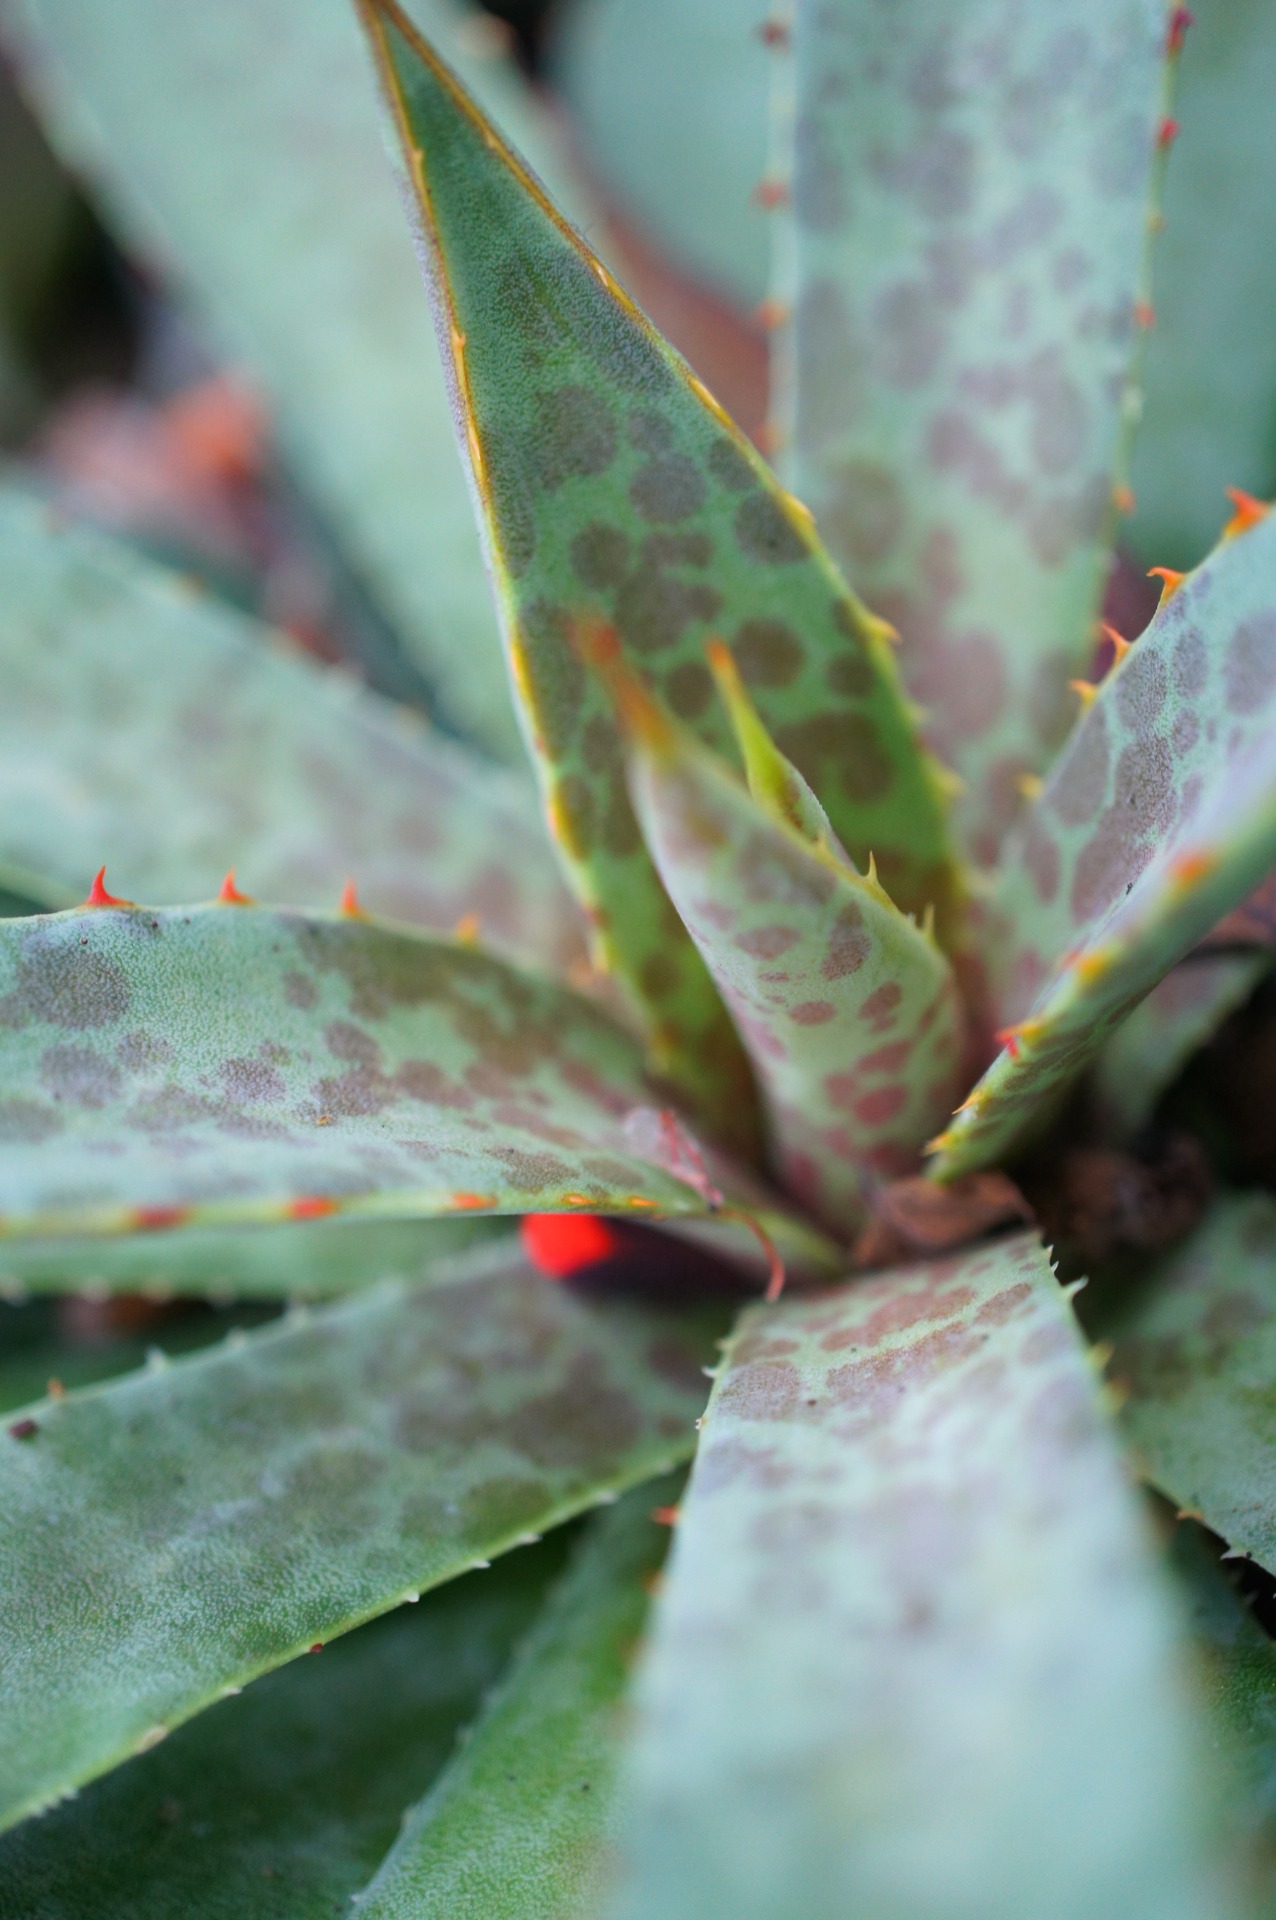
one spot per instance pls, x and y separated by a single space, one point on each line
1159 817
223 1064
969 196
609 480
288 239
1149 1050
911 1643
849 1011
513 1830
145 722
1196 1353
243 1506
293 1791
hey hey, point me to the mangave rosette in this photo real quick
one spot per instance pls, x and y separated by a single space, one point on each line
801 974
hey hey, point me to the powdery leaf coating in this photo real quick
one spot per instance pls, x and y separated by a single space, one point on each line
289 238
292 1792
181 1531
850 1014
223 1064
610 483
969 195
1159 817
1197 1349
149 725
1150 1049
912 1648
513 1829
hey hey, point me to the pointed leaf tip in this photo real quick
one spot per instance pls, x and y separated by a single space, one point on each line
1171 580
1248 512
99 897
229 894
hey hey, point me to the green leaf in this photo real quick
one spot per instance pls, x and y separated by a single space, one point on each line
611 483
513 1830
150 726
295 1260
1148 1052
913 1656
849 1011
669 103
1196 1350
215 1065
170 1536
1159 816
281 1802
970 194
288 238
1209 386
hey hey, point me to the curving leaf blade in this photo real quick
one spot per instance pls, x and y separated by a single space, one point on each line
913 1656
970 192
608 480
170 1536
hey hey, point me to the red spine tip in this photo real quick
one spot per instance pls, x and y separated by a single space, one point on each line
230 895
1167 133
774 33
349 902
98 895
1144 315
769 194
1180 20
561 1244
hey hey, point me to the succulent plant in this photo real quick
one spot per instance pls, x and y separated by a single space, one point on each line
852 914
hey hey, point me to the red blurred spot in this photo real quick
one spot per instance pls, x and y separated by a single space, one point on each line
560 1244
155 1219
1180 20
311 1206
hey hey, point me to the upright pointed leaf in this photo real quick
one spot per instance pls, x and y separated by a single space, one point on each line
513 1830
609 480
1208 418
170 1536
287 236
146 724
1159 817
913 1656
210 1065
293 1792
848 1010
1150 1049
970 194
1196 1349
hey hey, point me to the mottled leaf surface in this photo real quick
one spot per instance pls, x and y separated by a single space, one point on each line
849 1012
294 1260
1159 817
513 1829
669 104
1196 1347
224 1064
609 482
1208 418
174 1534
152 727
970 193
1150 1049
288 237
282 1802
913 1656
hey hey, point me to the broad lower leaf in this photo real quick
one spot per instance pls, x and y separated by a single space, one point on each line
150 726
294 1260
1196 1350
609 481
970 196
1150 1049
848 1010
513 1829
1159 817
282 1801
913 1659
287 237
168 1537
1208 418
669 103
212 1065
